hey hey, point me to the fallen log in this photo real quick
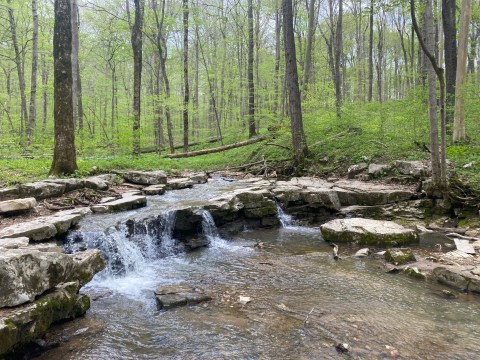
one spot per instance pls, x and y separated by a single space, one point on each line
153 149
217 149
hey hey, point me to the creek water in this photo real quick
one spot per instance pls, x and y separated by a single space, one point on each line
303 303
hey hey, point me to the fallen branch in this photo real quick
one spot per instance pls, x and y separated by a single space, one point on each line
306 319
335 251
217 149
455 235
153 149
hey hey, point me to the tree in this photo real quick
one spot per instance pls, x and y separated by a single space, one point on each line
308 51
136 40
450 49
186 89
459 120
370 52
291 77
64 155
251 87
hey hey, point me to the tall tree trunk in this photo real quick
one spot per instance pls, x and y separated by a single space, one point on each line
196 85
370 52
308 51
79 106
251 88
338 64
276 75
291 76
186 90
20 69
450 50
459 120
64 156
136 40
75 46
44 92
33 83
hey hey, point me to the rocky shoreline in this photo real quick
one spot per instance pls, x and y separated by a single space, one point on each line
40 283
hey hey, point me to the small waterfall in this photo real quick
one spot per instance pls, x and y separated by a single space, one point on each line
130 246
285 219
210 231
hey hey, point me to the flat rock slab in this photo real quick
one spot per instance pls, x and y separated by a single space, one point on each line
14 243
463 278
171 296
179 183
45 227
146 177
17 205
367 232
464 246
124 204
154 190
27 273
21 325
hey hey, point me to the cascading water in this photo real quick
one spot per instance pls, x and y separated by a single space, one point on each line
285 219
210 231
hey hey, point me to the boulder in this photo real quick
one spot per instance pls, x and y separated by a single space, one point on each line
199 178
17 205
463 278
379 170
367 232
356 169
154 190
124 204
179 183
256 203
70 184
399 256
27 273
23 324
171 296
418 169
42 190
146 177
9 194
44 227
362 252
14 243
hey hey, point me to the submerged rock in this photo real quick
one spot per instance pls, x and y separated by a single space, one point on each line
399 256
367 232
21 325
171 296
27 273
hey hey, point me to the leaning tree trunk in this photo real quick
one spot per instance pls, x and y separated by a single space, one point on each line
459 119
33 83
64 156
137 72
291 76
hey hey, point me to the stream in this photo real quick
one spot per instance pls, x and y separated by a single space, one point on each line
303 303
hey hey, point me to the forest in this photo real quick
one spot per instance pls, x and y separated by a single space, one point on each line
157 77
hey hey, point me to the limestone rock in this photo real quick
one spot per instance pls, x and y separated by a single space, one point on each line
70 184
27 273
14 243
124 204
198 178
179 183
171 296
367 232
23 324
356 169
379 170
399 256
42 189
413 272
418 169
362 252
9 194
146 177
17 205
256 203
154 190
459 277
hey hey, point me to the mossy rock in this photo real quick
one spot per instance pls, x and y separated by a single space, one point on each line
399 257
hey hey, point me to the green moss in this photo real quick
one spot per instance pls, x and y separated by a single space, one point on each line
399 257
8 336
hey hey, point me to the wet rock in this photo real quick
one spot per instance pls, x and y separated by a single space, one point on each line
356 169
257 204
179 183
342 348
23 324
448 294
418 169
363 252
367 232
146 177
399 256
171 296
413 272
17 205
124 204
154 190
14 243
198 178
42 189
27 273
45 227
464 246
451 278
379 170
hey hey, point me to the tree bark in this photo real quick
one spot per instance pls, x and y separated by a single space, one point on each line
251 87
450 51
64 155
291 76
19 65
276 75
186 89
370 52
459 119
33 83
308 51
338 62
136 40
